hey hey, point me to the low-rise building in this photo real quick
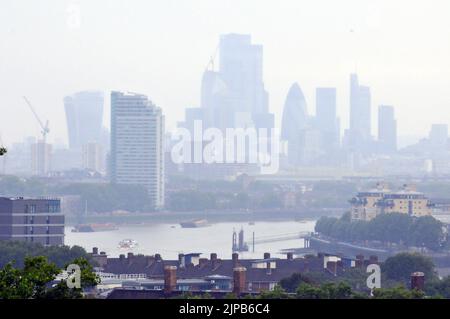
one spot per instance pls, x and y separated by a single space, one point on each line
369 204
32 220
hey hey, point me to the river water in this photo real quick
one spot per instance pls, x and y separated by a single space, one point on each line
171 239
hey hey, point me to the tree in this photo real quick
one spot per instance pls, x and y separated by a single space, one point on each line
291 283
399 292
17 251
277 293
400 267
426 231
34 280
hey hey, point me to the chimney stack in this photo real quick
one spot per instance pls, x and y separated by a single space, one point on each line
213 258
158 257
266 255
170 279
239 280
418 280
359 262
332 267
290 256
95 251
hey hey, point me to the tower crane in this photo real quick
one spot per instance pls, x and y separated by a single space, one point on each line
44 128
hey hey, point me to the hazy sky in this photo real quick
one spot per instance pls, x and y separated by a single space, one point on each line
160 48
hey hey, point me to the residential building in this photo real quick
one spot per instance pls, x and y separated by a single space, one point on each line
381 200
41 154
32 220
137 144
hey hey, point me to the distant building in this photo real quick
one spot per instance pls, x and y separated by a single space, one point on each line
32 220
84 115
387 129
369 204
137 144
360 116
294 122
93 157
326 118
438 136
41 154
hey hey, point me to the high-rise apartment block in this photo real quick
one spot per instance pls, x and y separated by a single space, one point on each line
137 144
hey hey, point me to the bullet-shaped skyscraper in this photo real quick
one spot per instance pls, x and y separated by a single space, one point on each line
137 144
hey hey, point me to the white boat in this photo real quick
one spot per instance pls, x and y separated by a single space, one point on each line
128 244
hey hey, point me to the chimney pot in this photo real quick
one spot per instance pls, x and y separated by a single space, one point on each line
418 280
170 279
239 280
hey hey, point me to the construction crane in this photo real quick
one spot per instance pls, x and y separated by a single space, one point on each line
44 128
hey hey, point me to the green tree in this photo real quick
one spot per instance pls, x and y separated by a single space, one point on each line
291 283
34 280
400 267
399 292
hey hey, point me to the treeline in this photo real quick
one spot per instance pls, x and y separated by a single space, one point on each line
18 251
397 228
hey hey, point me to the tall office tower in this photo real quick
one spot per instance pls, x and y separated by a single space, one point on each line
41 153
360 115
326 119
438 136
240 68
137 144
84 115
295 120
93 157
387 129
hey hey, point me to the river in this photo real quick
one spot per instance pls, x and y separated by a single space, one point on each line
171 239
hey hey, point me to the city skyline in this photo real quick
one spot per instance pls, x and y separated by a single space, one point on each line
285 63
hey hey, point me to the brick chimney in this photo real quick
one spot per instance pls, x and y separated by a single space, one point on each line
235 258
359 262
170 279
213 258
417 280
266 255
95 251
373 259
289 256
239 280
332 267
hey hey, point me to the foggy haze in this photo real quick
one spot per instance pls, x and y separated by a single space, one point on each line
50 49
